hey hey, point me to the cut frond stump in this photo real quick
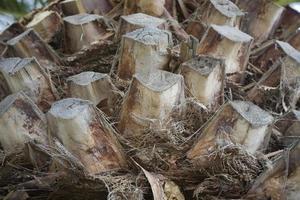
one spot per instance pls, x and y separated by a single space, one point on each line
219 12
295 40
144 50
284 71
95 87
11 31
21 121
188 48
132 22
48 25
26 74
85 133
30 44
150 100
240 122
289 124
289 23
228 43
74 7
82 30
262 18
204 78
154 7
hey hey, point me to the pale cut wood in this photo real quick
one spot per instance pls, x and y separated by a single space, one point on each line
132 22
284 71
241 122
48 24
82 30
153 7
144 50
262 18
219 12
228 43
204 78
27 75
11 31
21 121
30 44
84 132
150 100
74 7
95 87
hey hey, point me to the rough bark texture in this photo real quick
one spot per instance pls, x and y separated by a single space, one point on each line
188 48
86 134
262 18
204 78
289 124
144 50
228 43
48 25
82 30
11 31
219 12
154 7
29 44
74 7
21 121
242 122
284 73
295 40
149 101
289 23
27 75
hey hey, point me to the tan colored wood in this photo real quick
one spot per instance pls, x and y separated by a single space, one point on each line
85 133
144 50
262 18
228 43
82 30
153 7
48 24
288 24
27 75
219 12
30 44
204 78
74 7
95 87
240 122
283 72
21 121
150 100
